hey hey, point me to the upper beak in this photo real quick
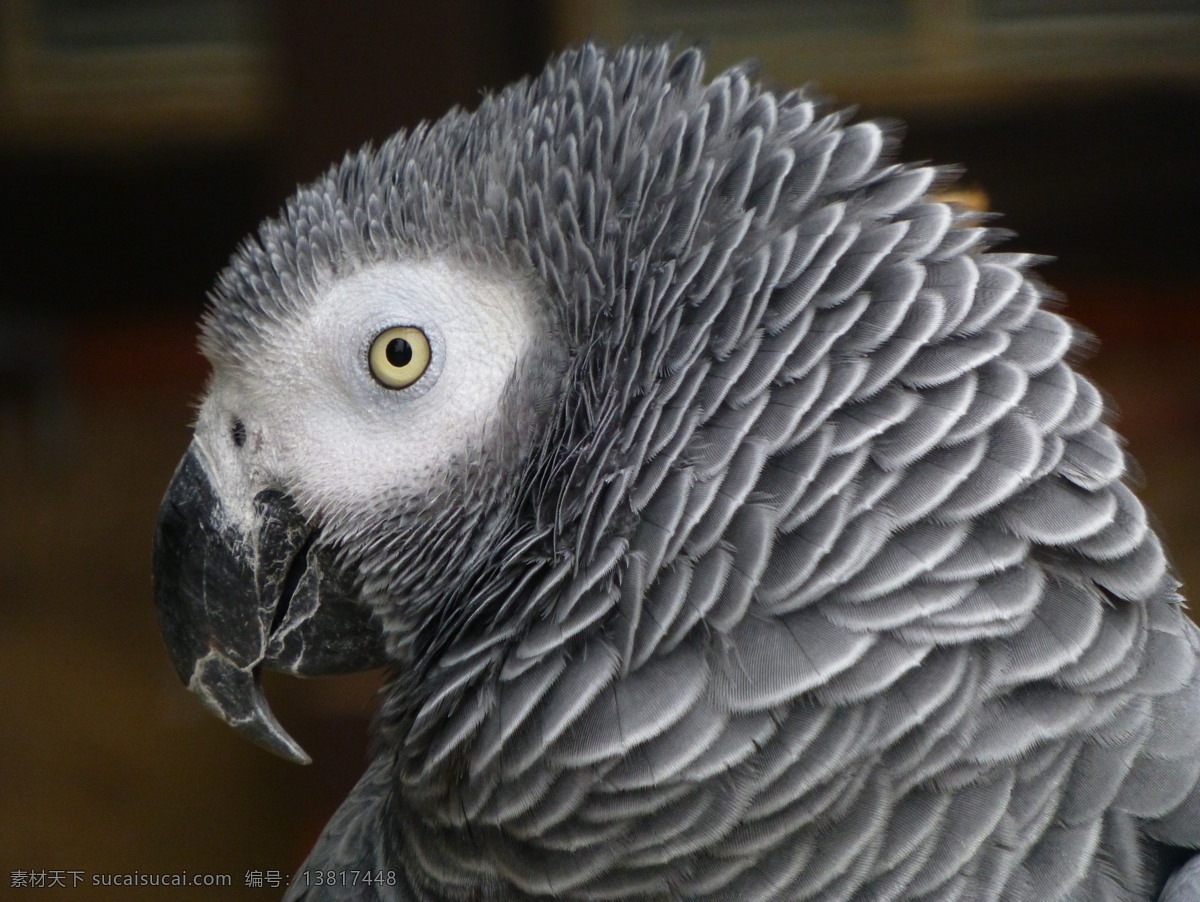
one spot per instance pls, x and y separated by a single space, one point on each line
231 602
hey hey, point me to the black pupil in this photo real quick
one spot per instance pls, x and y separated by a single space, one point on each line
398 352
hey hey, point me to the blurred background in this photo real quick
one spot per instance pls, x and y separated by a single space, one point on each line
140 139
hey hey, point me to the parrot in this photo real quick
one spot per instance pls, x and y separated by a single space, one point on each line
726 510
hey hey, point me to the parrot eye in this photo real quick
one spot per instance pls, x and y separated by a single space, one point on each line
399 356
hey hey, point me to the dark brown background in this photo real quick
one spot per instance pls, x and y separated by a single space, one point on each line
110 240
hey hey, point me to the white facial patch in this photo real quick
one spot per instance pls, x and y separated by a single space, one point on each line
320 426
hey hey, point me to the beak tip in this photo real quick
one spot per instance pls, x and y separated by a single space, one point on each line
267 733
235 695
285 747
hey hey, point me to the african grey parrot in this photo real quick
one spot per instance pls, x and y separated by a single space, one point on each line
725 510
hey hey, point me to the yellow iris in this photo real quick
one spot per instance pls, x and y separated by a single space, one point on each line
399 356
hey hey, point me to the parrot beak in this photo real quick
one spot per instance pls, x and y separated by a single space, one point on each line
232 602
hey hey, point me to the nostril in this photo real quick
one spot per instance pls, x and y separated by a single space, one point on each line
238 432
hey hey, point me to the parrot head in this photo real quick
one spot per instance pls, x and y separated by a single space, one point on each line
372 450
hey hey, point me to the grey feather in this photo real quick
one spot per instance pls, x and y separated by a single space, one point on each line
1184 885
